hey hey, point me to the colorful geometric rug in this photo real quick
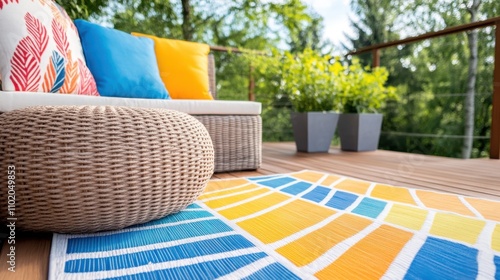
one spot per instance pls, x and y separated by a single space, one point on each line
297 226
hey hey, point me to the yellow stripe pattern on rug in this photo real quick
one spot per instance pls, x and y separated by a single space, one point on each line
335 227
303 225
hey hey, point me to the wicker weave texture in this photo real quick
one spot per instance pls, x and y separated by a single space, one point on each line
93 168
237 141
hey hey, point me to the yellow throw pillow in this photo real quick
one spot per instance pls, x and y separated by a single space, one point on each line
183 67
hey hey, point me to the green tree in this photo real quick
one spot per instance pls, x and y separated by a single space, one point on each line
247 24
434 79
375 23
83 8
474 72
472 38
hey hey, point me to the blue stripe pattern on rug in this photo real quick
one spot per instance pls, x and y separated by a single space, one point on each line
296 188
497 264
276 270
221 255
177 217
261 177
442 259
137 238
341 200
318 194
274 183
204 270
178 252
370 207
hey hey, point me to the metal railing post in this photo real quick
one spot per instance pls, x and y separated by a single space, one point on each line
376 58
251 84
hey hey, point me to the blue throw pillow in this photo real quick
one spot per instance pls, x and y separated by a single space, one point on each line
123 65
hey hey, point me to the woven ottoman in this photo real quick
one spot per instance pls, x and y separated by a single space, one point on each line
93 168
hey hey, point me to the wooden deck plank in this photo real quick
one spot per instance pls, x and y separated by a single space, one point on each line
475 177
32 257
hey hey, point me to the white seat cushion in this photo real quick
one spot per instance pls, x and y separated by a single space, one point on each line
16 100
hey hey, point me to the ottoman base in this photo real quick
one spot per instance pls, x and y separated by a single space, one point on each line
88 168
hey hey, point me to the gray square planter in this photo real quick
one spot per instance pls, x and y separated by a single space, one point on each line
313 131
359 132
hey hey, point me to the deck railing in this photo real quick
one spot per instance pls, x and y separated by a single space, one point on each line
251 80
375 50
495 114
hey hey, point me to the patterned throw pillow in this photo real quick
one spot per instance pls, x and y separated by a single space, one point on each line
40 50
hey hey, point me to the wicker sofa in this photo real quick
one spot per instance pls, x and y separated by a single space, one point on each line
234 126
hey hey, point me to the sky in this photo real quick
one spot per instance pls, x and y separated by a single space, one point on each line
335 15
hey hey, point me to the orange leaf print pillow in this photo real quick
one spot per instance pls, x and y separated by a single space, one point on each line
41 50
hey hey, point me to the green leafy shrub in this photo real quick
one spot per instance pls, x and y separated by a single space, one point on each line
362 90
308 82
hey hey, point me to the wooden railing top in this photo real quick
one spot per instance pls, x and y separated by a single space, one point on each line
225 49
235 50
446 31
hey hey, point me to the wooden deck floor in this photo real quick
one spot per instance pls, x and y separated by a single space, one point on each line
476 177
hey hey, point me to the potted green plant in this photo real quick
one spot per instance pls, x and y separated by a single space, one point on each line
363 92
311 88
